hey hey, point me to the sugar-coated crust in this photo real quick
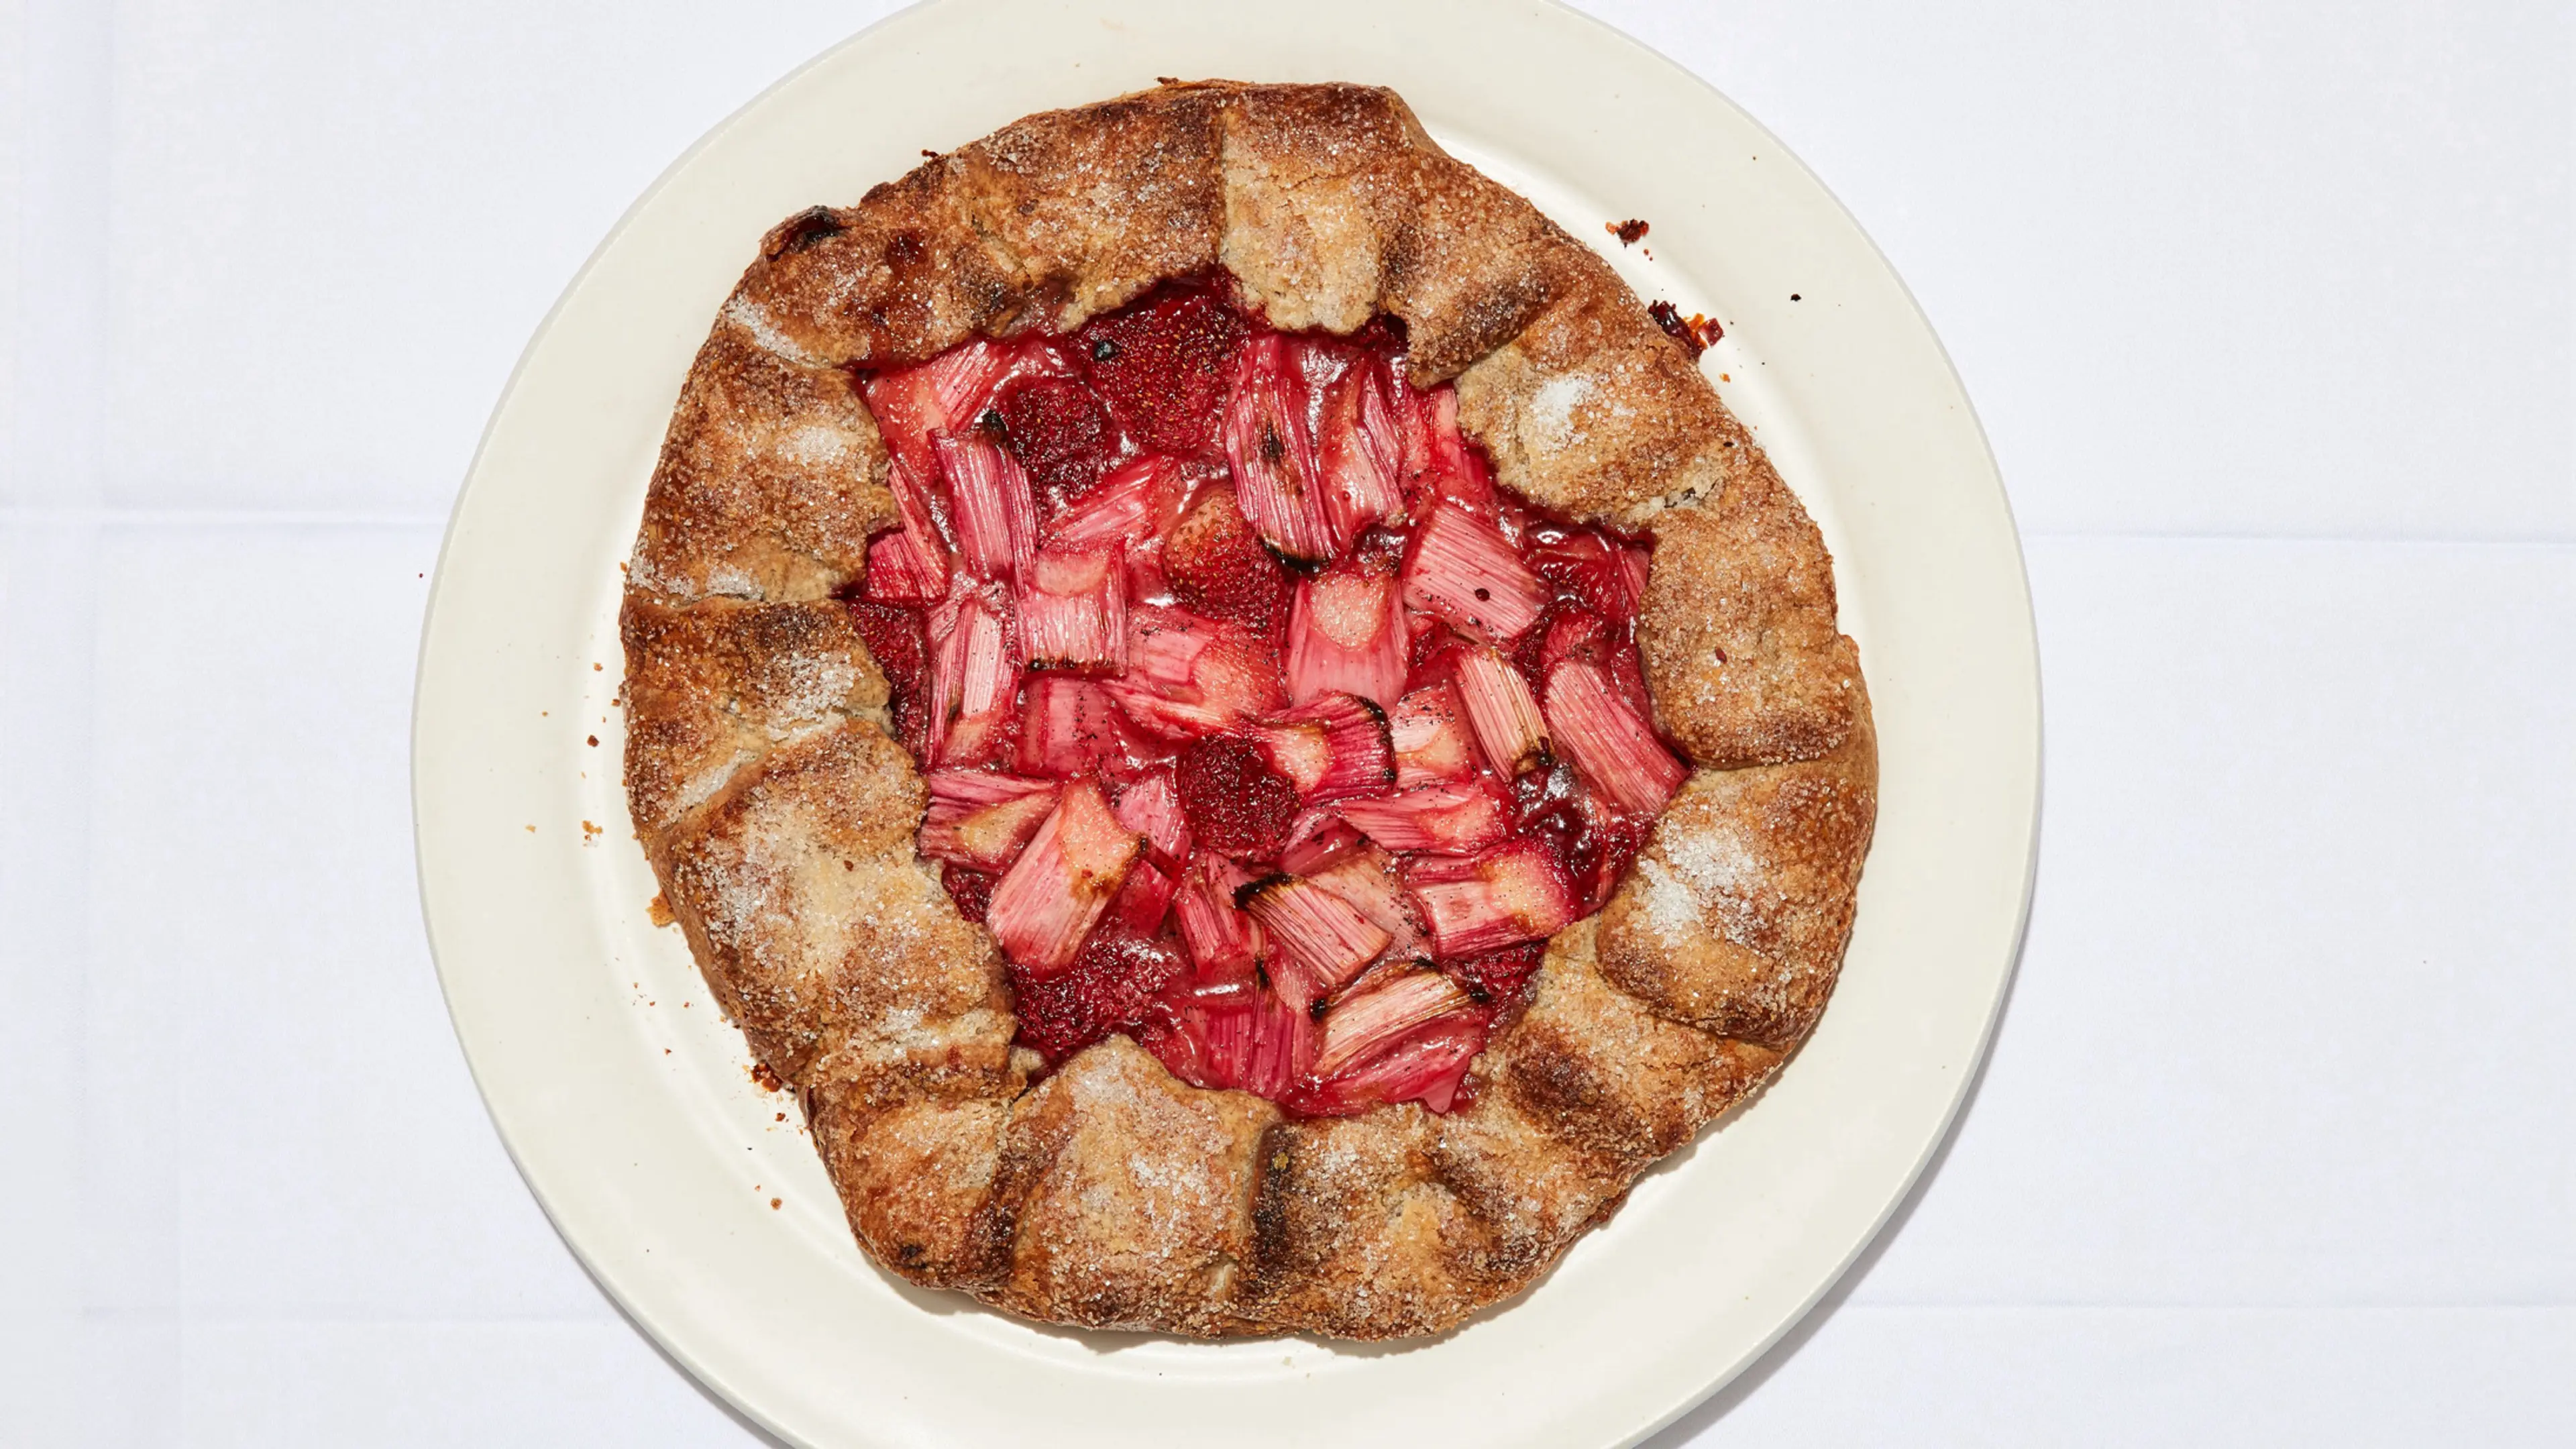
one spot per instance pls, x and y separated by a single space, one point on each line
779 814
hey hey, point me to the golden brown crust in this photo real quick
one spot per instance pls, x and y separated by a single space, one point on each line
780 816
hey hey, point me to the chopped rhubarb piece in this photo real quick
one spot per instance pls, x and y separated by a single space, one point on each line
895 574
1616 752
1450 817
1433 740
1151 806
919 512
1188 676
1509 728
1427 1067
1223 940
1139 501
1324 937
981 819
1346 634
943 395
974 677
1245 1040
1050 898
901 648
1073 610
1462 569
1332 749
1145 898
1438 464
1217 566
1382 1012
1056 431
1072 727
1112 985
1361 449
1272 454
1162 366
1317 840
1368 878
1234 801
996 516
1513 892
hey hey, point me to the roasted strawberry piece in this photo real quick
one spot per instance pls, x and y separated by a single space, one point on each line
1145 899
1510 729
1235 1038
1331 749
1461 569
1217 566
1058 433
1514 892
1426 1066
1234 801
1050 898
989 499
1189 676
1277 479
1457 817
1111 985
1432 737
974 677
1072 727
1346 634
1073 610
1223 940
1162 366
897 641
1150 805
1135 505
1499 978
1360 449
1615 751
981 819
972 890
1322 940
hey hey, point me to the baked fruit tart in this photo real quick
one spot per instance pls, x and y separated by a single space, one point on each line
1235 717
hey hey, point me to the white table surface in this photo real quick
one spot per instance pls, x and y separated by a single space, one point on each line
2267 309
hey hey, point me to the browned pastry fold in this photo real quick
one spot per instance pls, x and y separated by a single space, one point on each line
779 815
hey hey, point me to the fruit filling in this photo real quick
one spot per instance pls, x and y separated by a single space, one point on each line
1260 724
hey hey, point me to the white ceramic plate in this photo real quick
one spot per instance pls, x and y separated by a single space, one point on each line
623 1096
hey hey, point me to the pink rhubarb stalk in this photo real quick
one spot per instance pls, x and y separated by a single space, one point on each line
1152 808
1614 750
1513 892
1272 455
1332 749
1510 729
1135 505
1223 940
995 513
980 819
1450 817
1324 938
1433 740
1047 902
1386 1010
1360 448
974 676
1461 569
1073 610
1346 635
